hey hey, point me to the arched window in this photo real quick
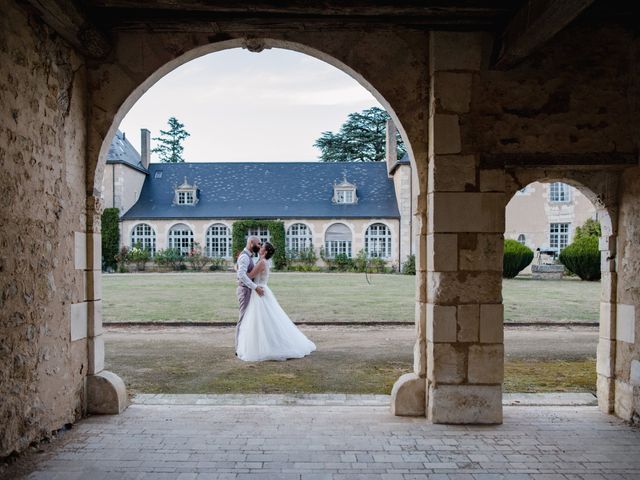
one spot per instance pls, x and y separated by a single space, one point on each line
298 237
146 236
377 241
218 241
522 239
181 237
262 233
337 240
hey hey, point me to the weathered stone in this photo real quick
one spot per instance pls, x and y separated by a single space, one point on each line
445 132
447 362
441 323
604 359
96 354
625 323
456 50
492 180
408 396
453 288
486 364
486 254
466 212
106 393
442 252
491 323
468 322
605 390
607 320
452 92
465 404
80 250
452 173
623 400
78 320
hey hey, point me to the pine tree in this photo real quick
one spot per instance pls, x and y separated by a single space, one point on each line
361 138
170 142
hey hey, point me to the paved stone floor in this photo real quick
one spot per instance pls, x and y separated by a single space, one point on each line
340 442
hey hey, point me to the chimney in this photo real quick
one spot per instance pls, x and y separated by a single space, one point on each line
145 147
391 146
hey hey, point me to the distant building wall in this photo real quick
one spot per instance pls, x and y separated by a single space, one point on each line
121 186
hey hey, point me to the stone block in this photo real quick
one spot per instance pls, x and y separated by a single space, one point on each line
94 284
607 243
96 354
607 320
452 173
626 323
80 250
96 250
608 285
446 362
623 400
106 393
492 180
444 132
94 319
455 51
420 357
468 322
634 378
605 356
408 396
605 391
452 91
78 321
491 323
465 404
486 364
442 252
441 323
486 253
607 262
466 212
453 288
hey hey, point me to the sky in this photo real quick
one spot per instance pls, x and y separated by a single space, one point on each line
240 106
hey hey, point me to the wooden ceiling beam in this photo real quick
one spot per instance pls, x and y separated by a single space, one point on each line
534 24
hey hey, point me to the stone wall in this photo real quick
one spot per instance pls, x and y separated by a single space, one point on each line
42 178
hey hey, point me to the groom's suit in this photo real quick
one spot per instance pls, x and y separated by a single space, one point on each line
245 285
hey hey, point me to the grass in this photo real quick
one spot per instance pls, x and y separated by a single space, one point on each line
320 297
550 376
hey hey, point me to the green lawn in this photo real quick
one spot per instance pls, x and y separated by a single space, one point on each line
326 297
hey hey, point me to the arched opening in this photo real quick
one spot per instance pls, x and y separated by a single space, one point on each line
554 319
376 238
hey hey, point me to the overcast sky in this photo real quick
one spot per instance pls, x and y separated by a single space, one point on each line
243 106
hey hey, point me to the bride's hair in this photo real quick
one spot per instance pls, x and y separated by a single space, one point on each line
270 250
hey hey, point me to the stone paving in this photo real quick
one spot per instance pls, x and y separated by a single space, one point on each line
340 442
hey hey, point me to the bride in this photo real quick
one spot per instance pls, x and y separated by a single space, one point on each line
266 331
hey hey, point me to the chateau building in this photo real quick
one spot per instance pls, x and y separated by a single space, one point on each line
342 208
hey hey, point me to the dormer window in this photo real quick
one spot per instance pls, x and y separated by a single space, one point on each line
344 193
186 194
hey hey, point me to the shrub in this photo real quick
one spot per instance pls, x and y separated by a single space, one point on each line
342 262
217 263
276 229
516 258
409 267
582 257
170 258
305 257
590 228
122 258
110 237
196 258
139 255
361 261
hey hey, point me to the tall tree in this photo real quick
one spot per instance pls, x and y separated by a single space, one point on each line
361 138
170 142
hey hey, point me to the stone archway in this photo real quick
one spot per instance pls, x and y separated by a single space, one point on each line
117 89
601 189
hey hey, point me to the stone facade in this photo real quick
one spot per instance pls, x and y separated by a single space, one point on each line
476 134
121 186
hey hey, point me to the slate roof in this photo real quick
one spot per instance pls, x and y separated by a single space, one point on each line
121 151
265 190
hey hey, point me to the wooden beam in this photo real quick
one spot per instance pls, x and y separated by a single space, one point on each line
68 21
535 23
558 160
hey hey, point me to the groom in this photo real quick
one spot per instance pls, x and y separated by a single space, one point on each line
245 285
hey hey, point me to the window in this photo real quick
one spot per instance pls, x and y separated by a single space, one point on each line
298 237
158 174
377 241
181 237
146 236
218 241
344 196
522 239
185 198
559 192
337 240
344 192
261 232
558 236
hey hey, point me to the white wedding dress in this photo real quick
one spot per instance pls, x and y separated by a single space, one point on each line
266 331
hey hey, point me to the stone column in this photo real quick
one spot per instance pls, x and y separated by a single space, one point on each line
464 245
106 392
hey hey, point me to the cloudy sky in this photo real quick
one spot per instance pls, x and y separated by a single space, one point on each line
243 106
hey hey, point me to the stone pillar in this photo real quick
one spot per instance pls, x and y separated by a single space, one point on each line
106 392
464 245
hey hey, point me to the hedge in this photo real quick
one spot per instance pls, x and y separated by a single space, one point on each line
110 237
582 257
276 229
516 258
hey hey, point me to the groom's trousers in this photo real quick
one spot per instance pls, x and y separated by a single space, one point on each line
244 294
